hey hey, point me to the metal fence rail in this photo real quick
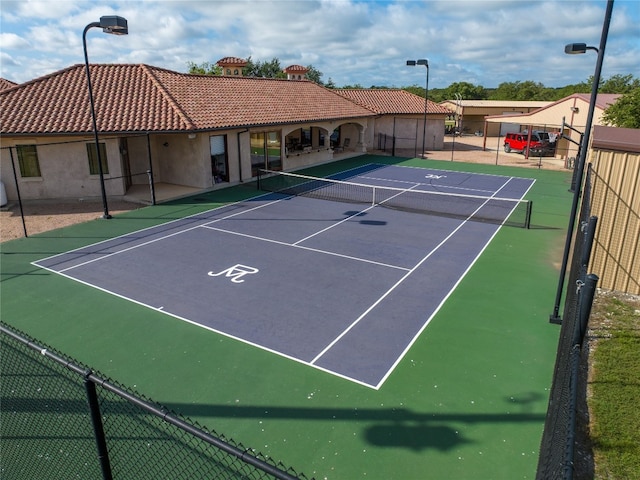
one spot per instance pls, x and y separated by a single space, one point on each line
62 420
556 459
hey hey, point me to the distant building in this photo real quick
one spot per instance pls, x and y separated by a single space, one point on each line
566 118
296 72
469 114
232 66
401 118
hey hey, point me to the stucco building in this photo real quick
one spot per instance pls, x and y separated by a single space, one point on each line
198 131
470 114
567 117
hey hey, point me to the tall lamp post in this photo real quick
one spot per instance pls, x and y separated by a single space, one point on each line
116 26
413 63
575 48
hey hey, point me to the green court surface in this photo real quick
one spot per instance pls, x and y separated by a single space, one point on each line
468 400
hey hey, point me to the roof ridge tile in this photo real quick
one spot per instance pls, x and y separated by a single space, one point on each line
172 101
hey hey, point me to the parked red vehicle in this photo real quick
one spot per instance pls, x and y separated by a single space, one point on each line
517 142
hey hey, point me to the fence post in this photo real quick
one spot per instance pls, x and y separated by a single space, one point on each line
151 187
98 430
15 179
588 293
588 241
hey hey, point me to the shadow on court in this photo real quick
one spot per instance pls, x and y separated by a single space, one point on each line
387 427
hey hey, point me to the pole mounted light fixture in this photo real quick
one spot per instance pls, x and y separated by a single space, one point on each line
425 62
571 49
577 48
116 26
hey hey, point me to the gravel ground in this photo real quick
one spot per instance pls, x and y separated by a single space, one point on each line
44 215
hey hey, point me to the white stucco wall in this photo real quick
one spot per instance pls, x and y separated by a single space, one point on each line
408 130
138 153
64 169
181 160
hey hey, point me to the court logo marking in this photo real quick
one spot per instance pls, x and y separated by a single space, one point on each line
434 176
236 272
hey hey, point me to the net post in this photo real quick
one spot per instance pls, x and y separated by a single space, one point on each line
258 180
527 220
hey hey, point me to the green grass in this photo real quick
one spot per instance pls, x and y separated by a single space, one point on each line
615 387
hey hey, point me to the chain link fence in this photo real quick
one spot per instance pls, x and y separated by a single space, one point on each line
62 420
557 449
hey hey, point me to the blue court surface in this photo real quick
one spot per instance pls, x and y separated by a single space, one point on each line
343 287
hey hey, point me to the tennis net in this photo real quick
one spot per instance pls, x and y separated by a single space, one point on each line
503 211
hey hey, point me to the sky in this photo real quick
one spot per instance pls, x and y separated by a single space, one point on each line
350 41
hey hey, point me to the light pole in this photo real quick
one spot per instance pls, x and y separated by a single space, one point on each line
116 26
413 63
575 48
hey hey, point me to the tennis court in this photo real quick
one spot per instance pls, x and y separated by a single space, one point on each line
344 285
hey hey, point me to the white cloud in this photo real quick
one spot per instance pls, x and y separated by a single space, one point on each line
483 42
11 41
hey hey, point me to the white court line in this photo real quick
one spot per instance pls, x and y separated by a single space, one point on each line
419 332
205 225
331 226
161 309
443 186
164 237
294 245
136 232
354 215
388 292
108 255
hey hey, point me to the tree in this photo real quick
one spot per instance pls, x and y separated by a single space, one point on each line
521 91
314 75
466 90
204 68
625 112
415 89
618 84
270 69
356 86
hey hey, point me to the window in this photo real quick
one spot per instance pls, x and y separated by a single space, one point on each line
94 169
265 151
306 137
219 161
28 160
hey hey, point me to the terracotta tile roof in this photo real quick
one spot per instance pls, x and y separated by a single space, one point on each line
142 98
4 84
391 101
231 61
296 69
